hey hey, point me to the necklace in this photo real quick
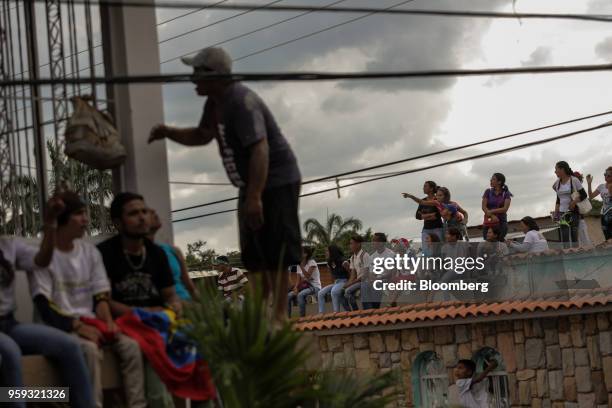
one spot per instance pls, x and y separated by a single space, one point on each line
142 261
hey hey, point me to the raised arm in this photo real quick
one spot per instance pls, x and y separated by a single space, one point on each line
490 367
592 194
54 208
416 199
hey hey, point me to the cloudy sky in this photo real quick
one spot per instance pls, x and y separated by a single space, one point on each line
340 126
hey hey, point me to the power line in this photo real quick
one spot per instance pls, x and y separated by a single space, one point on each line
433 166
190 13
437 13
312 34
219 21
307 76
413 158
157 25
249 33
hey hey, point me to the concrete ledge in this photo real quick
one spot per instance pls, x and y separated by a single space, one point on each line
38 371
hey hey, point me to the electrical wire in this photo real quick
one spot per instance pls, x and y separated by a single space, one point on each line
189 13
433 166
423 156
249 33
437 13
312 34
307 76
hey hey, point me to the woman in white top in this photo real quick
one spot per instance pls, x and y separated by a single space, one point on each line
308 282
605 191
566 210
534 241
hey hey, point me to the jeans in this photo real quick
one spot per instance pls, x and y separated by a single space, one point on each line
503 230
337 296
427 250
370 298
300 297
17 339
350 294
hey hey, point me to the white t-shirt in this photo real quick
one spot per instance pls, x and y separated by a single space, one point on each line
533 243
72 279
360 262
472 396
21 256
564 192
315 278
605 196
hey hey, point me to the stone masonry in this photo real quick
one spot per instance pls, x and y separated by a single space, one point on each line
556 362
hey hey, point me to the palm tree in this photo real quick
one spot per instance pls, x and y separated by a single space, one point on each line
335 229
254 363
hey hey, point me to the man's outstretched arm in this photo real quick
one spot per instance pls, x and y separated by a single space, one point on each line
195 136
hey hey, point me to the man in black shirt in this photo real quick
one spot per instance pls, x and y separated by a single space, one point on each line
139 275
138 269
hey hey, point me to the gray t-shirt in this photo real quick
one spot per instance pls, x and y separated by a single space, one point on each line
244 120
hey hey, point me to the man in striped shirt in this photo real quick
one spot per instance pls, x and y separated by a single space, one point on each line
230 280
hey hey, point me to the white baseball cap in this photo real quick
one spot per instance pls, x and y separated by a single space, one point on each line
215 59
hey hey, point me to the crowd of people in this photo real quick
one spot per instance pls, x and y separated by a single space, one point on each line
444 228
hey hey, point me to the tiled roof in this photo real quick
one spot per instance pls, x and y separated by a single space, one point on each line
576 299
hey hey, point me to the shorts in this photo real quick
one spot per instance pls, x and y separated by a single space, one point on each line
278 243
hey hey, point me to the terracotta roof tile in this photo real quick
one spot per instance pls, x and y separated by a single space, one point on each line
575 299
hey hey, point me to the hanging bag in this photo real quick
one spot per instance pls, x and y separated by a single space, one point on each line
91 137
583 207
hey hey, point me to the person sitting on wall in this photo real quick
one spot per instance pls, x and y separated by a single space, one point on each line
308 281
18 339
139 275
184 287
75 286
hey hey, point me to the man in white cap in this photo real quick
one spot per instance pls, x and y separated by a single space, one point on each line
258 160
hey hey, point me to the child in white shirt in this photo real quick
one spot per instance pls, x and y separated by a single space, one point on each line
471 389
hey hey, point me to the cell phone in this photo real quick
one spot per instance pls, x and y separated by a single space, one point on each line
293 269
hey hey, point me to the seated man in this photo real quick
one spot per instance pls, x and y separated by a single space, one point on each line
75 285
230 281
358 265
139 274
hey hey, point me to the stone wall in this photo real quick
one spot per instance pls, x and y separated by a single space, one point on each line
555 362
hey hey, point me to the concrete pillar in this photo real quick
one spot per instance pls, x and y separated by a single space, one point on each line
130 48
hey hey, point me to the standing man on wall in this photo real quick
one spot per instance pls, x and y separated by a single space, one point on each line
258 160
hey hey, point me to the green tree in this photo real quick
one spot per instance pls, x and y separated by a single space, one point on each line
198 256
332 231
20 210
255 363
